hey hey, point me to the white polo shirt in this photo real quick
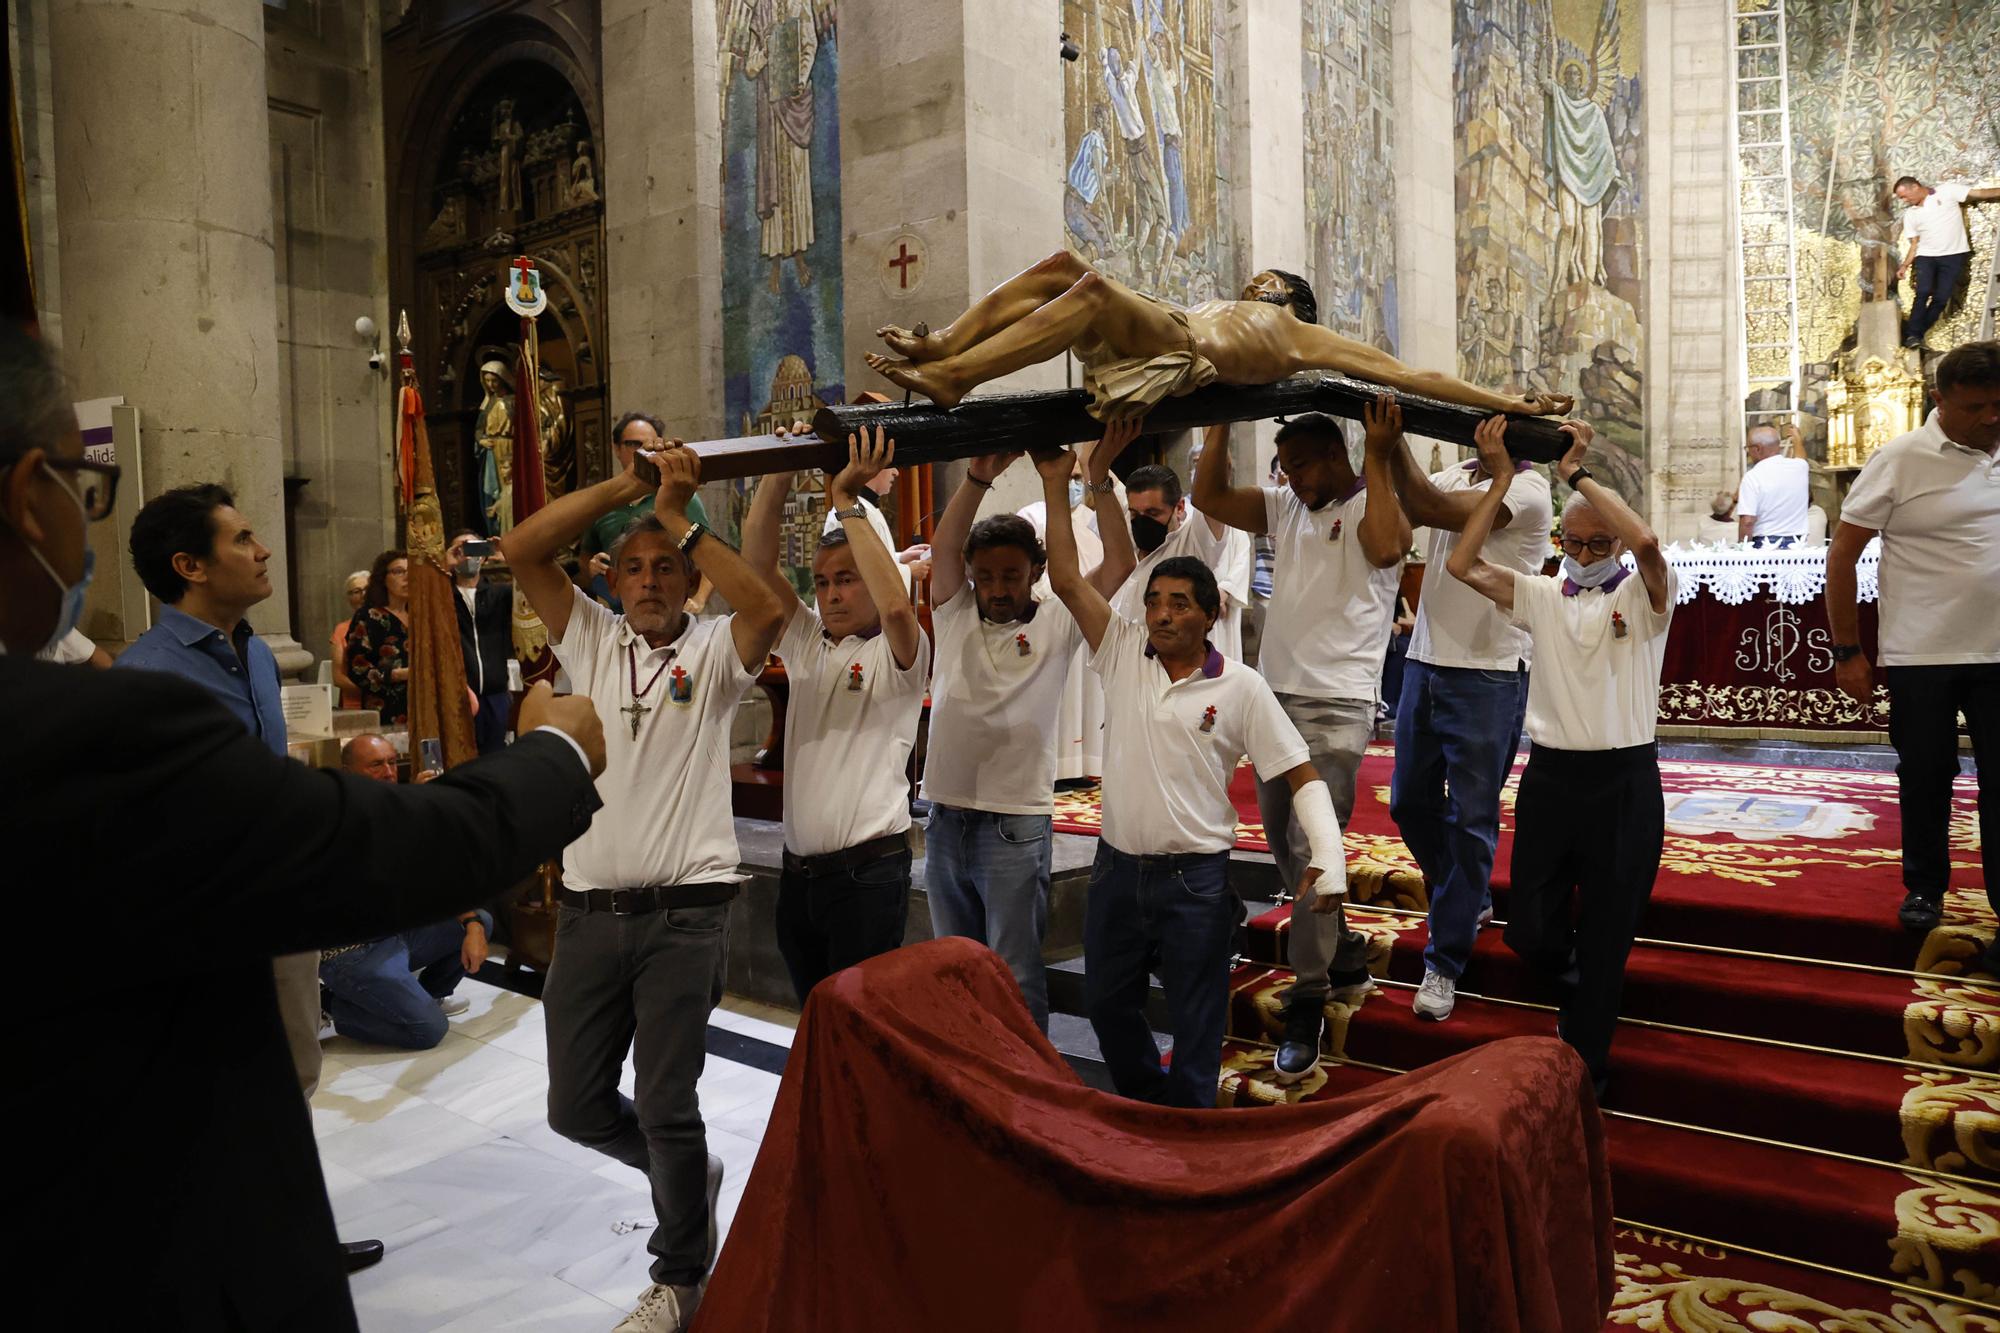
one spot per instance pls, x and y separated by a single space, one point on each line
666 816
1166 780
1456 626
849 729
1777 492
1193 538
1328 623
1938 223
996 697
1592 688
1937 506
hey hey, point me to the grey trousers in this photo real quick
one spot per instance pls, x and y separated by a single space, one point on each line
643 984
1336 733
297 978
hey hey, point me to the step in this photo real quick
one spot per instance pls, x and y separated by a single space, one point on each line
1798 1205
1826 1100
1780 999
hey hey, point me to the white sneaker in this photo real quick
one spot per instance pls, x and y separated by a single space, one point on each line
1435 997
662 1309
453 1005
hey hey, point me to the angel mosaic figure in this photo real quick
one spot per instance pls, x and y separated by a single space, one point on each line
1136 351
1577 143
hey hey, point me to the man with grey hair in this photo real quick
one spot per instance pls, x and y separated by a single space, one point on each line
1590 819
1771 504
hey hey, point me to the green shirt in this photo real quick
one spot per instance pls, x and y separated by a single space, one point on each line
612 526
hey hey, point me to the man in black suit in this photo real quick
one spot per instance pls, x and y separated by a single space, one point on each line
485 625
157 1091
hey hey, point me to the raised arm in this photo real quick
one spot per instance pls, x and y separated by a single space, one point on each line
1384 529
1085 602
875 562
1429 507
1491 581
758 616
1855 676
760 539
1983 196
955 525
532 547
1635 532
1238 506
1114 526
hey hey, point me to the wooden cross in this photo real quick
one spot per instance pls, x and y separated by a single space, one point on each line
902 263
636 710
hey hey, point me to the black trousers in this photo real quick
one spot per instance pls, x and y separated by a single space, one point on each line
1937 280
830 922
1924 703
1588 828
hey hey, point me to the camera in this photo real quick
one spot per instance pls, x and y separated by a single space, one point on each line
376 361
1069 49
477 547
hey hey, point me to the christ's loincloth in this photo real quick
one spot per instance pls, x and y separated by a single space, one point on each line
1125 387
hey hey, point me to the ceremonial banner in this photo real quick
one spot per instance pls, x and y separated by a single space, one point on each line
440 705
527 299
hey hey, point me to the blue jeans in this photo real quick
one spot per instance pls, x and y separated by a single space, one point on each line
1778 543
1456 733
388 992
987 876
1937 278
1175 913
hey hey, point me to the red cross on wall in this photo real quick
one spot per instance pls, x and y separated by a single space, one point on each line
902 263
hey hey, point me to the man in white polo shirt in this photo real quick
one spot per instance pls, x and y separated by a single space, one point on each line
640 925
1934 498
1340 541
1458 720
1934 226
1776 491
1178 715
857 662
1003 658
1590 818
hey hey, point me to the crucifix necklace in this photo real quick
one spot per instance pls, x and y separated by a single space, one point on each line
637 708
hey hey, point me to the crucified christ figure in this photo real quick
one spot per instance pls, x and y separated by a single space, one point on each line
1136 350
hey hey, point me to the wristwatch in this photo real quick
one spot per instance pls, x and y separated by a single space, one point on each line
694 534
1843 651
855 510
1102 487
1580 475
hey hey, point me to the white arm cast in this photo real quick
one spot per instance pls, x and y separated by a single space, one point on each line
1312 809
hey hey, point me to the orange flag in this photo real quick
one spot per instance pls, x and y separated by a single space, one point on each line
440 703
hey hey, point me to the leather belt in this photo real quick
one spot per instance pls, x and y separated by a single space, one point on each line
848 858
648 898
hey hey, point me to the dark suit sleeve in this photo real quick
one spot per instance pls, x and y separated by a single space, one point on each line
222 848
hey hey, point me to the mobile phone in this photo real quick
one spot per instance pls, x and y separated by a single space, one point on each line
477 547
645 469
431 749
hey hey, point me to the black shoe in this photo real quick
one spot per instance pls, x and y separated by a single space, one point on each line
1913 342
1920 912
1298 1054
360 1254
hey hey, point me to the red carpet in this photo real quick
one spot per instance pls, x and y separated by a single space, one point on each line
1766 1091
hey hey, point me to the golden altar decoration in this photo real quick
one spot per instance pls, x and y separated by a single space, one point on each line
1867 406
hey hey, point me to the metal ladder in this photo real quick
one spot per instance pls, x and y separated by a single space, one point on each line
1761 130
1992 290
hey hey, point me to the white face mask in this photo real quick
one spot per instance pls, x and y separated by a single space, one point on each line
1594 575
72 593
470 565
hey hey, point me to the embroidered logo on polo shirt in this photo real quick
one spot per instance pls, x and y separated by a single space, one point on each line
1334 534
1617 625
680 686
1208 718
854 681
1021 645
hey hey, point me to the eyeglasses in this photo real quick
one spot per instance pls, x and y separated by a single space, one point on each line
98 489
1596 545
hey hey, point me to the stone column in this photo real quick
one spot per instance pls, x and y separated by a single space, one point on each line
163 187
951 147
1425 155
662 170
1694 398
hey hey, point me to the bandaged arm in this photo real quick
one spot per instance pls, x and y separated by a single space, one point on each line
1312 810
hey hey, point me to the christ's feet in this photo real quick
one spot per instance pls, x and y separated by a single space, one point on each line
918 344
1546 404
926 379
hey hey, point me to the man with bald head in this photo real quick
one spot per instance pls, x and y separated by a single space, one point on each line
1776 492
397 991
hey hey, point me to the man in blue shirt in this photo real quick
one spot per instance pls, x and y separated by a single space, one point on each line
198 555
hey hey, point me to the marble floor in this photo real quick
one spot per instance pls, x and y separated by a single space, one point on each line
491 1220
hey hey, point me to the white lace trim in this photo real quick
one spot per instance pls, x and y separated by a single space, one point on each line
1735 575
